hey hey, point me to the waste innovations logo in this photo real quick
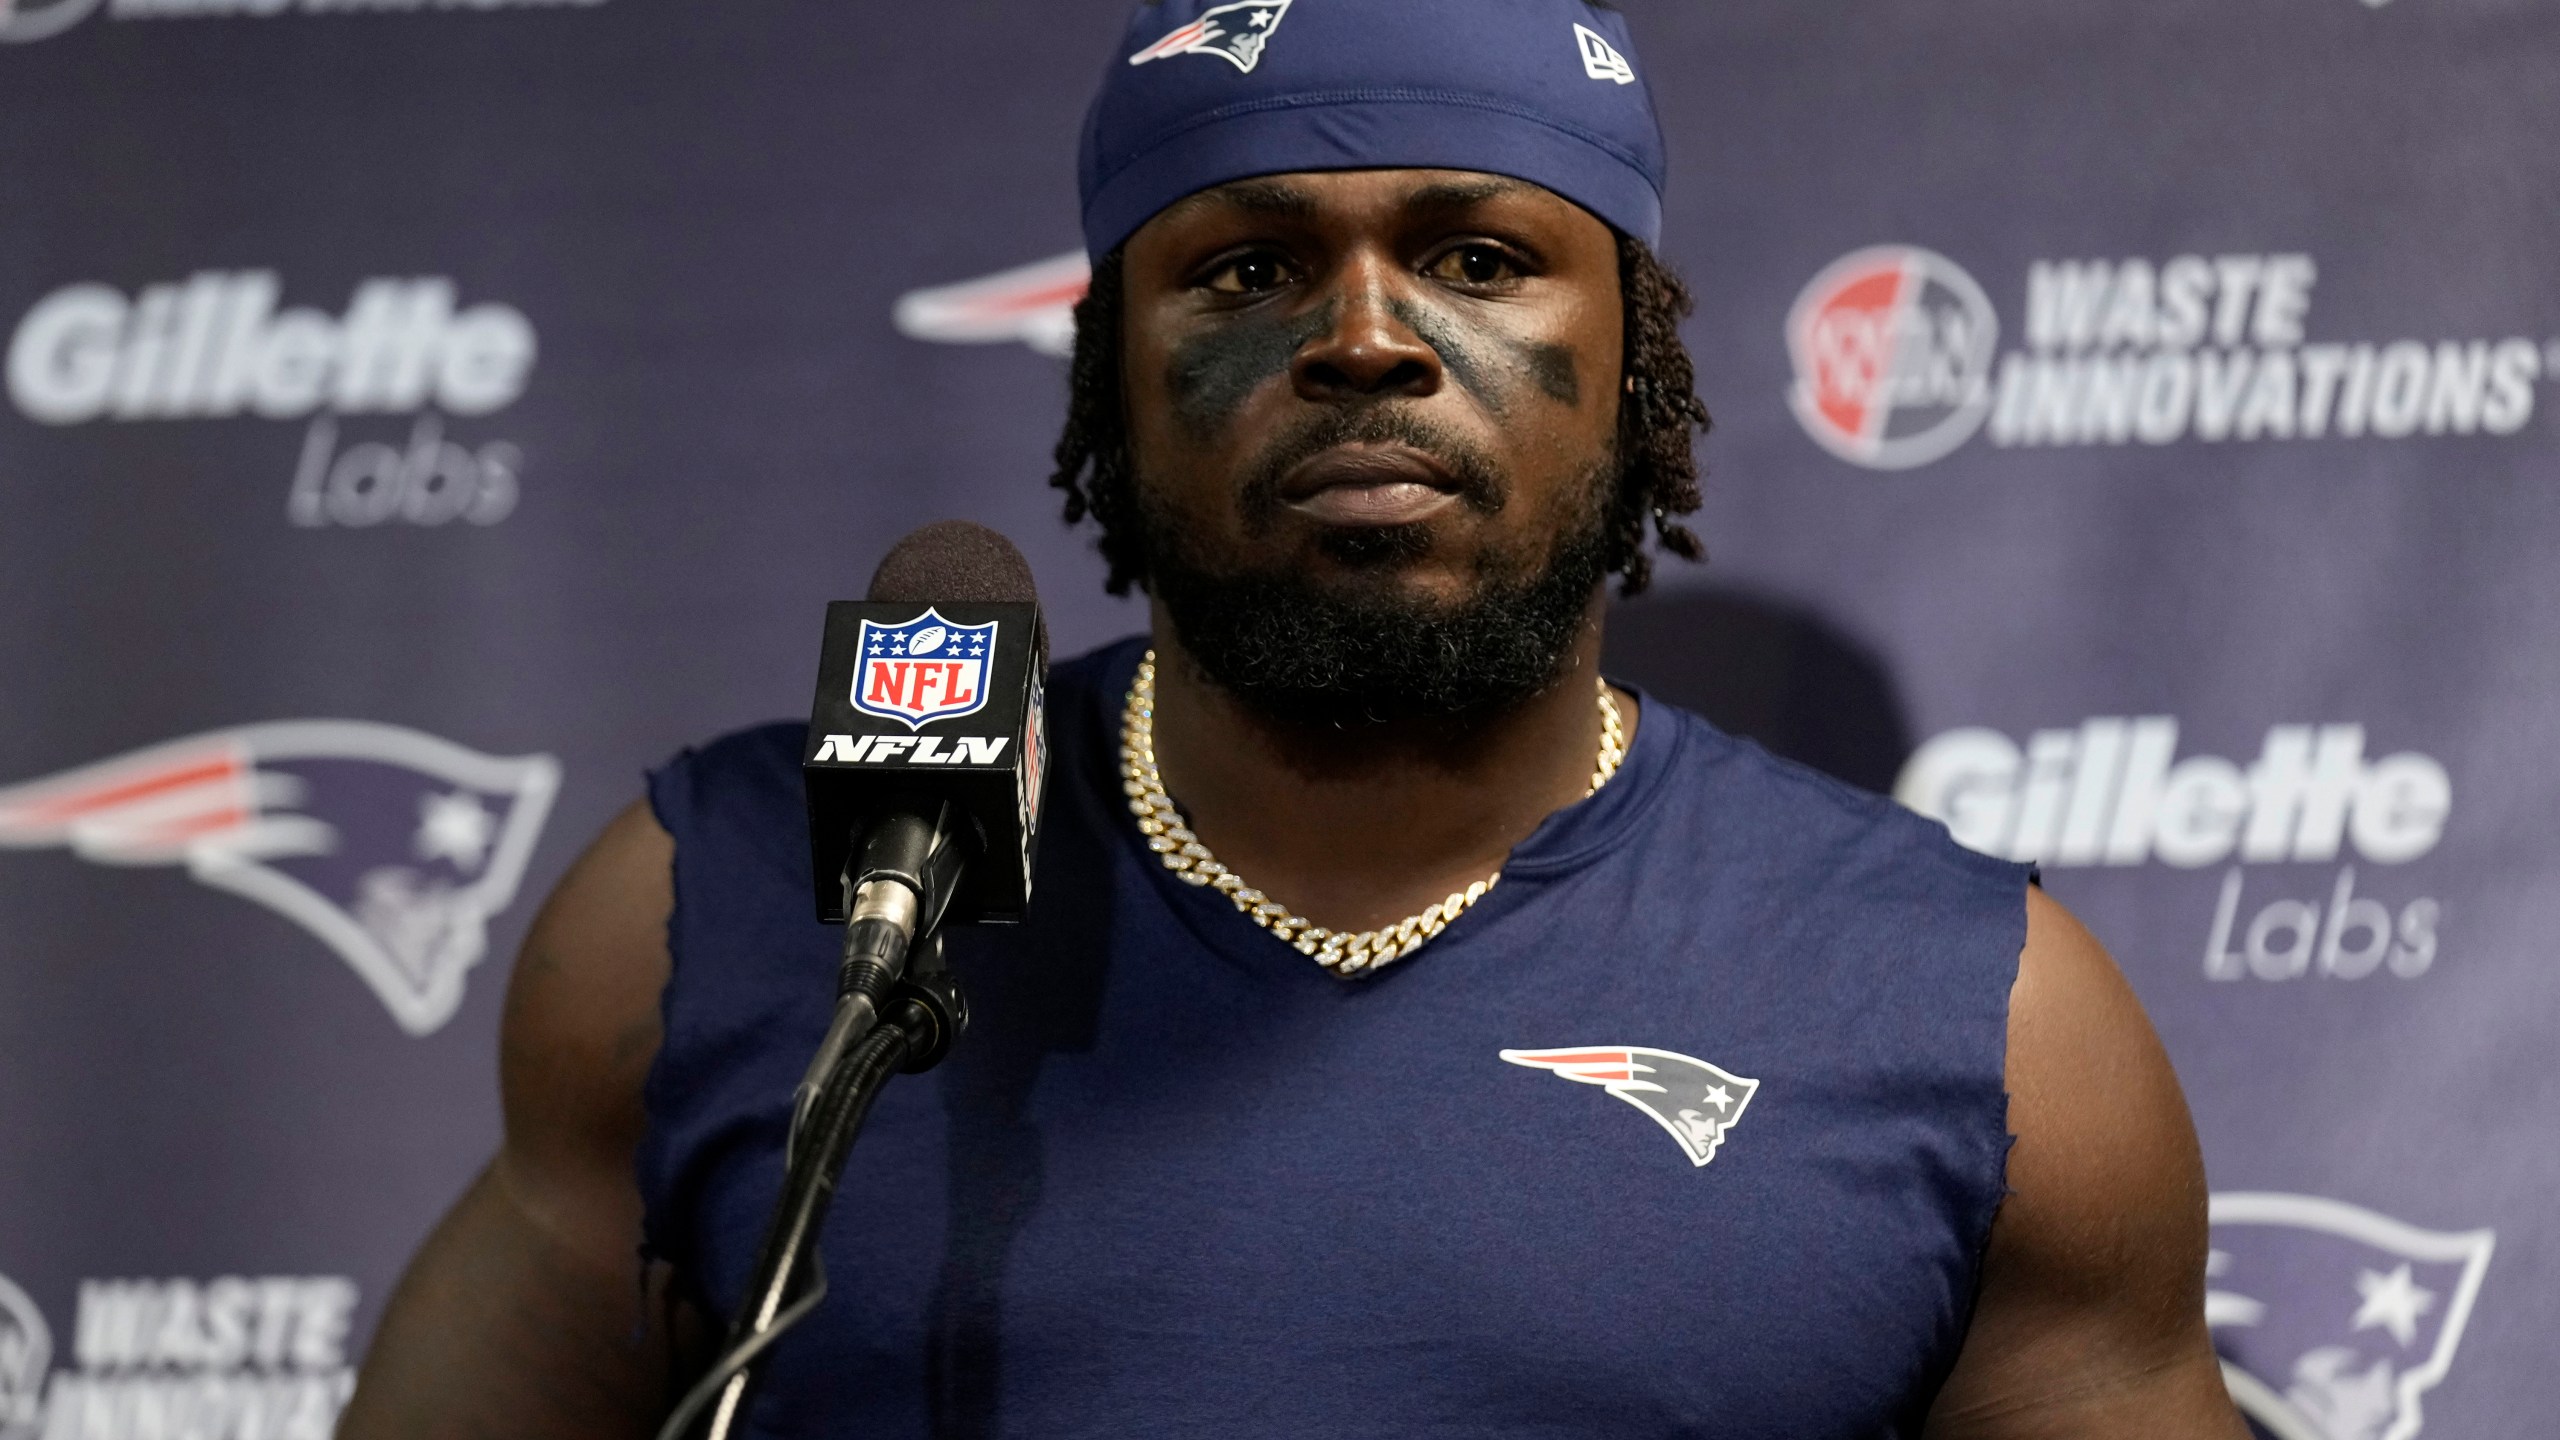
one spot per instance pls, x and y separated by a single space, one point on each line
394 847
26 1354
2334 1322
1893 350
22 20
242 1357
217 346
2113 791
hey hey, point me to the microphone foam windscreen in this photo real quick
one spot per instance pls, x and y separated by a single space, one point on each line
954 560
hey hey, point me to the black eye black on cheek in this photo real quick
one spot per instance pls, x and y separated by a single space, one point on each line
1556 371
1209 374
1493 366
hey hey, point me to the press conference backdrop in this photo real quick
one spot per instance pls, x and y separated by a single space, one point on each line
2135 446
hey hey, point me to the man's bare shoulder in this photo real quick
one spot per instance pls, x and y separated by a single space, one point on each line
2090 1321
522 1313
582 1019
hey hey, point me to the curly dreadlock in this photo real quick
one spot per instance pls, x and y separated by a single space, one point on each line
1657 472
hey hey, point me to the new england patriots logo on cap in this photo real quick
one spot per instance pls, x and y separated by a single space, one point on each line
394 847
1234 33
2333 1321
1694 1101
925 669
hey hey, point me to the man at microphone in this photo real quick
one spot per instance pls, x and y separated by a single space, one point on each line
1411 1031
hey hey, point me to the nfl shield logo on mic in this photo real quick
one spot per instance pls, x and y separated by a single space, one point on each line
925 669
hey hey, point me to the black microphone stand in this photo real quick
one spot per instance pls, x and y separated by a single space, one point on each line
899 1010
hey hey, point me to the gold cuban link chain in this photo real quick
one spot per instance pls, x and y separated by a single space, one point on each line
1182 853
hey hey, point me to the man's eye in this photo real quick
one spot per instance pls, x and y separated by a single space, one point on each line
1474 265
1250 275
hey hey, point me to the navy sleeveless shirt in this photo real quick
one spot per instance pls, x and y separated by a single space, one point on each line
1178 1180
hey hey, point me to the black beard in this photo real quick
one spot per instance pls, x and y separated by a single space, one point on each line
1309 655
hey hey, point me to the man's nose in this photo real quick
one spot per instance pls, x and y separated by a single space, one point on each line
1369 351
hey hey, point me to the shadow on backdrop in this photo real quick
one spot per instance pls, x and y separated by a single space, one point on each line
1769 670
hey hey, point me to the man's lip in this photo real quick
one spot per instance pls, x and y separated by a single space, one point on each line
1368 485
1364 465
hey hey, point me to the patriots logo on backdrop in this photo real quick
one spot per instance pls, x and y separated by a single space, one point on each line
1694 1101
925 669
1234 33
1034 303
2334 1321
392 846
39 20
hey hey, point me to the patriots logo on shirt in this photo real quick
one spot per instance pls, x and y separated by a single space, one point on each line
1692 1100
1234 33
2334 1321
392 846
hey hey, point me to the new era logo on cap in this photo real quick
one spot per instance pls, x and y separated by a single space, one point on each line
1234 33
1600 59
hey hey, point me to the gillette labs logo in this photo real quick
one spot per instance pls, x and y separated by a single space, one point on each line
2114 791
24 20
217 345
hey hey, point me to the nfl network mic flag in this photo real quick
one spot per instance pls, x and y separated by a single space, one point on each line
921 703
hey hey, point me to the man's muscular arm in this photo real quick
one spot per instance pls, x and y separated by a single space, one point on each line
524 1314
2090 1325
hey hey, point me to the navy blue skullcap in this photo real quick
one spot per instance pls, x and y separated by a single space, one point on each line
1202 93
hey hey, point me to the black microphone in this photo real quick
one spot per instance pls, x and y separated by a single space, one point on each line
926 748
923 770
